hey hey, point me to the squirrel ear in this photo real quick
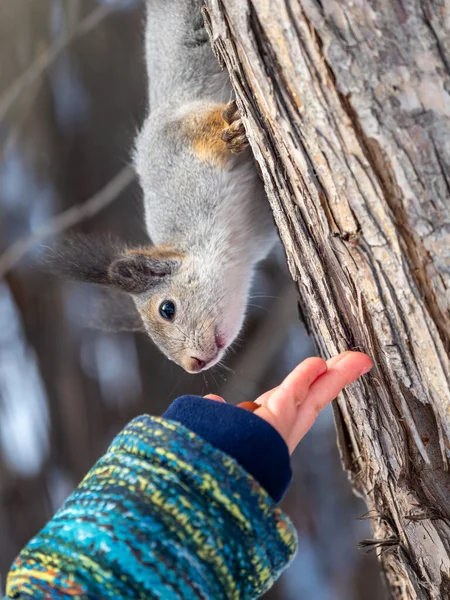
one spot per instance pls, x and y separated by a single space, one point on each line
99 259
140 270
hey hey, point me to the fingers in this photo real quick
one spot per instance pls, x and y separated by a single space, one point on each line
292 407
295 387
214 397
342 370
280 406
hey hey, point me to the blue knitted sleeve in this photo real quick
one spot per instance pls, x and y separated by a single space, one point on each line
255 444
164 514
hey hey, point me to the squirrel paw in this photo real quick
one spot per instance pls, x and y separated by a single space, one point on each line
234 135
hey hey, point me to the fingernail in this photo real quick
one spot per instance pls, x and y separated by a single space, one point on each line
365 370
214 397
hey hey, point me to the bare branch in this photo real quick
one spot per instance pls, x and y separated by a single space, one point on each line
68 218
49 55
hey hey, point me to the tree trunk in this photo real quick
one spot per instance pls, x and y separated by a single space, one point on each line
347 108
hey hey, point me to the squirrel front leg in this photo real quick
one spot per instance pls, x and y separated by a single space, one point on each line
216 133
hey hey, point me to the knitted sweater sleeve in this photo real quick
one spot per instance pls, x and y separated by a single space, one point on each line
163 514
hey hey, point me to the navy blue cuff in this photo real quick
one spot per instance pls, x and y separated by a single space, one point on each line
250 440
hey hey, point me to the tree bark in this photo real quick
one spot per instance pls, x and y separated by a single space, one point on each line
347 108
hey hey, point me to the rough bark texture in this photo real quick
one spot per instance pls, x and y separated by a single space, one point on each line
347 108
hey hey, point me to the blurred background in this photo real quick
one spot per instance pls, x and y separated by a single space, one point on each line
72 95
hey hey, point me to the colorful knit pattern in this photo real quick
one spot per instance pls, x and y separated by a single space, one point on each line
162 515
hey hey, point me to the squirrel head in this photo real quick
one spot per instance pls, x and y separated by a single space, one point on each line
187 312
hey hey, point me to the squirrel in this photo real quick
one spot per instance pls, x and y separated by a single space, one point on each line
204 202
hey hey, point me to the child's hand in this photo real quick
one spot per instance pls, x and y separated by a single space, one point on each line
292 407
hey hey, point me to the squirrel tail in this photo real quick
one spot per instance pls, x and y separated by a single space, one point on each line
180 61
83 257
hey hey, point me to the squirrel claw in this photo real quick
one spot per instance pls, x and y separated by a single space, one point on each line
238 143
231 113
233 131
234 135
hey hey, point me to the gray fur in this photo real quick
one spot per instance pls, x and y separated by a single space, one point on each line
181 66
210 223
217 217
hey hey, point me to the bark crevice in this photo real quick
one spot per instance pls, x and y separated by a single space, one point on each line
355 171
414 250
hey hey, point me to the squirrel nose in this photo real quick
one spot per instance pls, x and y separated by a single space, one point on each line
197 364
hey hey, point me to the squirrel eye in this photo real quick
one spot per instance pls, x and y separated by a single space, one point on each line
167 310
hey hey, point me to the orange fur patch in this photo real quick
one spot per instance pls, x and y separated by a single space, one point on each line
161 252
204 131
150 312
